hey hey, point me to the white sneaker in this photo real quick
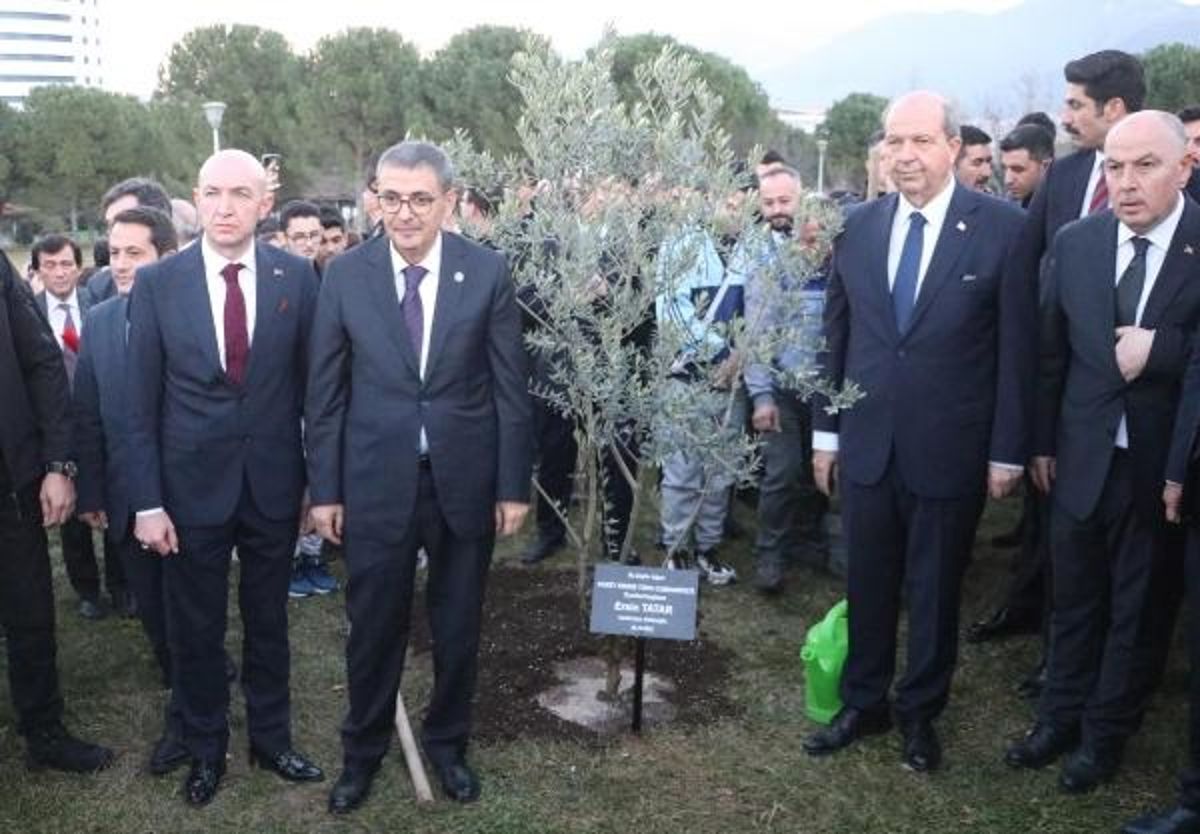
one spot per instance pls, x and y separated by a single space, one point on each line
714 570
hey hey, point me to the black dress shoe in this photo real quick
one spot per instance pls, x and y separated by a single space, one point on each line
1004 623
1178 820
1041 745
91 609
203 779
458 781
542 548
287 764
54 748
123 604
848 726
922 750
1085 770
169 754
1030 687
352 787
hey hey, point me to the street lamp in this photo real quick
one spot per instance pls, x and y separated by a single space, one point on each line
214 111
822 146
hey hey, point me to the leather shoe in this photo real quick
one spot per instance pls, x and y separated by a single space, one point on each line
1031 686
1042 745
54 748
169 754
124 604
1178 820
848 726
352 787
922 750
203 779
1004 623
91 609
458 781
542 548
287 764
1085 769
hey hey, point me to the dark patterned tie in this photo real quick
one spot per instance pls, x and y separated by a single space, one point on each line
1129 288
904 288
237 335
1099 196
414 312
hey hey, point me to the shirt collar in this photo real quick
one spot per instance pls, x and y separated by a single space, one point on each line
432 260
214 261
71 300
934 211
1161 234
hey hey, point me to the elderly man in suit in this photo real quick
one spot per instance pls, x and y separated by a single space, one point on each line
1122 302
137 237
922 314
419 435
217 363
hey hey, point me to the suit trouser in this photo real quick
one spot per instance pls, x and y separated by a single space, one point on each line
81 560
1028 595
197 595
1189 778
144 572
557 452
788 500
379 591
1102 581
896 539
27 610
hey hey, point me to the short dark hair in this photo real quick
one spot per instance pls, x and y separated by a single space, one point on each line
147 191
1191 113
267 226
1109 74
332 219
1031 138
162 228
297 208
476 196
1040 119
100 252
972 135
773 157
49 244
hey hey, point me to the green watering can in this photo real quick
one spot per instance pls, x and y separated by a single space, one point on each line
824 655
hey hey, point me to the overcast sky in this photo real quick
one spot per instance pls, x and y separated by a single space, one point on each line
757 36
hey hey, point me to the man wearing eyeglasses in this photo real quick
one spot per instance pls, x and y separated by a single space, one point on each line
418 426
301 222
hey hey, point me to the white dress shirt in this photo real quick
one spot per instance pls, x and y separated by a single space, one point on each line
1093 182
1160 241
58 316
214 262
935 217
428 293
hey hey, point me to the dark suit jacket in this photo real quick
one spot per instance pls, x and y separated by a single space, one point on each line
101 286
367 402
35 423
198 439
954 390
101 427
1081 394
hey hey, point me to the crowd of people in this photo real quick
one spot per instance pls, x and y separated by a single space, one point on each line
236 379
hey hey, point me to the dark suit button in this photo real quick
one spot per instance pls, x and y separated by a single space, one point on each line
900 353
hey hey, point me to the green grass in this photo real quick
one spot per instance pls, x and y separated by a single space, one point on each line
744 774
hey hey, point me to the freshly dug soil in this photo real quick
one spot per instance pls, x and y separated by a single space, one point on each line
531 623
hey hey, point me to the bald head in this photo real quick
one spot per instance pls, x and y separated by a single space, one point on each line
1145 164
921 143
231 197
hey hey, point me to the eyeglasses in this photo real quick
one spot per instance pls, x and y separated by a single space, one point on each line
300 237
419 202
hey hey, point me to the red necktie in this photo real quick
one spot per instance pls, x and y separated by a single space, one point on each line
237 337
1099 196
70 340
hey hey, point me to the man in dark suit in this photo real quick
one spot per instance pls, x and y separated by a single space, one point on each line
36 492
922 315
1112 362
1101 89
418 428
137 237
217 362
127 194
57 260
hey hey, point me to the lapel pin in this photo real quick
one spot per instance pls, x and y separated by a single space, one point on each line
1188 250
277 272
458 277
962 227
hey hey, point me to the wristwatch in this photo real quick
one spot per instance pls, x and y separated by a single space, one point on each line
62 467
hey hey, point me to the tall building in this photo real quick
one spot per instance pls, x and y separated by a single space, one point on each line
48 42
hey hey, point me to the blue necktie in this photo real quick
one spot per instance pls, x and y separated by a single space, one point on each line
414 314
904 289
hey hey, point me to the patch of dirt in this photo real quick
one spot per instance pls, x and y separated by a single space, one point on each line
532 624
